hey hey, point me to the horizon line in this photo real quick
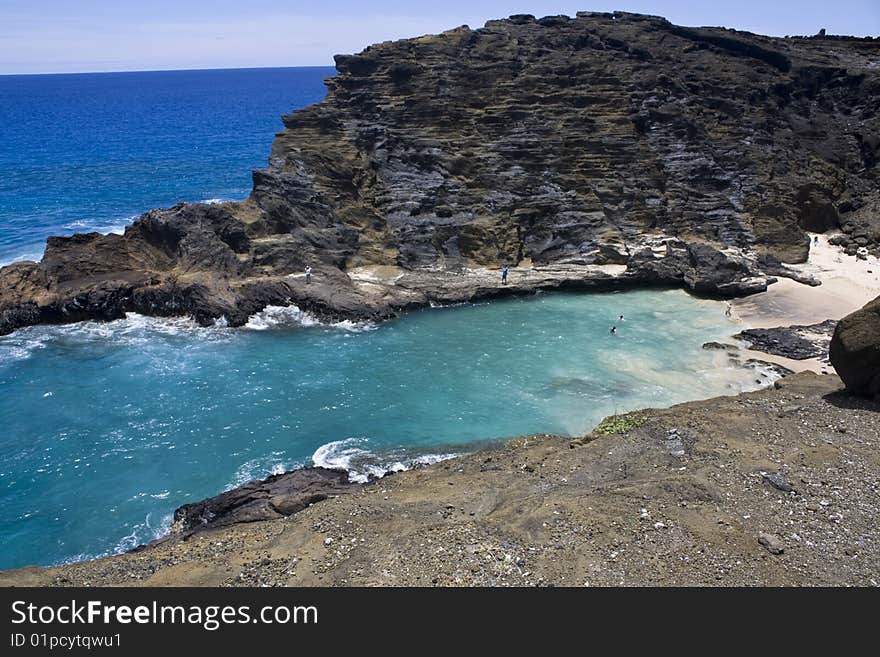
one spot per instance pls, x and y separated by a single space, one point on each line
167 70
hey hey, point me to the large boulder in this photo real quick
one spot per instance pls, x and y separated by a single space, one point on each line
855 350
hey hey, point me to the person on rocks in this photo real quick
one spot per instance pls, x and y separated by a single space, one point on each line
815 240
308 274
504 271
728 309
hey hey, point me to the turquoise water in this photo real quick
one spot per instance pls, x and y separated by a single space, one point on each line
107 428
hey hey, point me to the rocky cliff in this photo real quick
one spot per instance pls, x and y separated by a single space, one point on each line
601 150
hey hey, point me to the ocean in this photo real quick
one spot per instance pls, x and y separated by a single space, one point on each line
106 428
92 151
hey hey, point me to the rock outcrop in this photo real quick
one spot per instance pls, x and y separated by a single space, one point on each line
266 499
567 147
797 342
855 350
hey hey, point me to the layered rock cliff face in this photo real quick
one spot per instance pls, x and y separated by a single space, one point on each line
600 150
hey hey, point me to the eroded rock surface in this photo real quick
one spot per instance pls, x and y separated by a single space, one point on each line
563 146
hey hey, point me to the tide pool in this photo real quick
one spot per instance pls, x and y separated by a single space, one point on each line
106 428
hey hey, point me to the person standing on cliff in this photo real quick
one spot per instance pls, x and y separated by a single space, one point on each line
504 274
308 274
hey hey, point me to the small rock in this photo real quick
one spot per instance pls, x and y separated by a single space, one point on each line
778 482
771 542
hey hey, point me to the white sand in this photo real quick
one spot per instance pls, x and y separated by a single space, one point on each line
847 284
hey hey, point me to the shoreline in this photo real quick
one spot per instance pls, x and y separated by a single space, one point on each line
847 284
753 311
733 490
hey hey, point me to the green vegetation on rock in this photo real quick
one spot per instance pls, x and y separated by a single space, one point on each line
619 424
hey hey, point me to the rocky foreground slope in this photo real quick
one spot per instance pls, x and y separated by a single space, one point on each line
601 150
776 487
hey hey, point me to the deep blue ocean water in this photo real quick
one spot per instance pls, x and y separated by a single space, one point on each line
106 428
93 151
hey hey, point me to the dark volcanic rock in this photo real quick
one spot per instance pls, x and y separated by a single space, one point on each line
697 157
267 499
855 350
798 342
778 481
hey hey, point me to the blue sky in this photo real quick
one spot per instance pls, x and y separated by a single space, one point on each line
41 36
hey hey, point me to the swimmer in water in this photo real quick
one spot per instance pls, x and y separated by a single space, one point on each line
613 330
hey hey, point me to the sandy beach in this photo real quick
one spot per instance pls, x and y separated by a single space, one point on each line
848 283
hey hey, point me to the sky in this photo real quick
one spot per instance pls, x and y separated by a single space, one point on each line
64 36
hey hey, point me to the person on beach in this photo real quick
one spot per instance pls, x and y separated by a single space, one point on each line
728 310
308 274
815 240
614 330
504 275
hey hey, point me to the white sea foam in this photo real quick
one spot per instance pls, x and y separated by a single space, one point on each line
102 226
19 346
260 468
288 316
354 327
280 316
32 255
143 532
134 329
363 465
93 226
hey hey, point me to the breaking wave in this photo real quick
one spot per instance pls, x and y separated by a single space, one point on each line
148 530
133 330
280 316
292 316
96 226
364 465
260 468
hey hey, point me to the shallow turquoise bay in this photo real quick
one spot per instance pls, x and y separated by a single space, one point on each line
108 427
